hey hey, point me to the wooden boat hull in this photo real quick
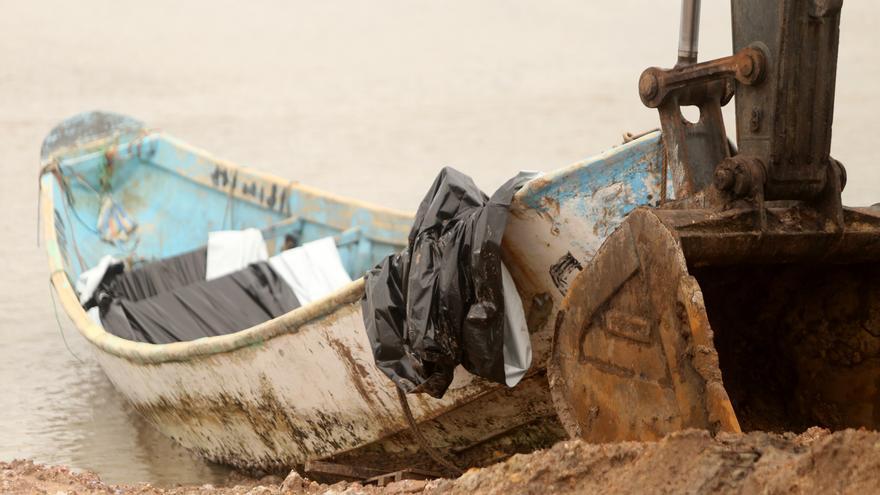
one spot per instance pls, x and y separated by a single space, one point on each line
303 386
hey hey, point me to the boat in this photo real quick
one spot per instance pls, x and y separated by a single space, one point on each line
303 387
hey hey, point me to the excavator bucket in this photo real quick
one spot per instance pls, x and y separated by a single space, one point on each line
752 300
686 319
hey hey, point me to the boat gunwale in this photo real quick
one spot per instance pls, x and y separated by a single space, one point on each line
291 322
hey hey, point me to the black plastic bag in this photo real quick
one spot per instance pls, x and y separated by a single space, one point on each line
440 303
150 279
141 307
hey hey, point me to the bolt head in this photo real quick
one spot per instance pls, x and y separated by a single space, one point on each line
747 67
724 178
648 85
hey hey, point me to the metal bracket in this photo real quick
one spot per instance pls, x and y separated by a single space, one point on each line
694 149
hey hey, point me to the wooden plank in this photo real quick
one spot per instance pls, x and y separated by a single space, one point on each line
403 474
341 470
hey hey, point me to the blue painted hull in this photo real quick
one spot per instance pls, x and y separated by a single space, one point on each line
176 194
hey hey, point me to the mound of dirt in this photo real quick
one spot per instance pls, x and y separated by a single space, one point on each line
816 461
691 462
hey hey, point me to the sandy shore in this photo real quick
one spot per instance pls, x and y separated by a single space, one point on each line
686 462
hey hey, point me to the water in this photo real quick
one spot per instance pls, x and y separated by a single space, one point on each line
367 99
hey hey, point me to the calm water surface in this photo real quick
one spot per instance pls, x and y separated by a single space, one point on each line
367 99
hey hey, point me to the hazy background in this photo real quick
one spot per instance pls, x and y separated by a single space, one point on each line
364 98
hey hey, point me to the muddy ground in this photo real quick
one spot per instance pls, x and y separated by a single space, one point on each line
816 461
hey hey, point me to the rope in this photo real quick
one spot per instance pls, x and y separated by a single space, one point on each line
79 257
58 321
414 427
632 136
50 167
54 168
69 206
89 228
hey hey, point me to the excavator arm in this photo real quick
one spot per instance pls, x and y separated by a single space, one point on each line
750 297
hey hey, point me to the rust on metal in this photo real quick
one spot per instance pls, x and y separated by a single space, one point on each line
622 366
655 85
693 318
753 301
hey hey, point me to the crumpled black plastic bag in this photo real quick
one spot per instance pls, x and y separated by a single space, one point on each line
144 305
440 303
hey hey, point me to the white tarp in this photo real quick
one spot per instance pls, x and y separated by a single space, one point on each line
312 270
232 250
517 344
88 281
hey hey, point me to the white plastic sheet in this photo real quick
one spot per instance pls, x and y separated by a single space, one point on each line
517 344
312 270
88 281
232 250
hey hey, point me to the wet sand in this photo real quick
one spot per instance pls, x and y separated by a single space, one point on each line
366 99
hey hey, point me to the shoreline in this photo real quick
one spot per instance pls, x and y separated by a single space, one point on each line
691 461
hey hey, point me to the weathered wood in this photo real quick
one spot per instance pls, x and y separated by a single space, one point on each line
358 473
403 474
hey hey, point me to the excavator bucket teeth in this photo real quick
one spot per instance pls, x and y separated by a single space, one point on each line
693 319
